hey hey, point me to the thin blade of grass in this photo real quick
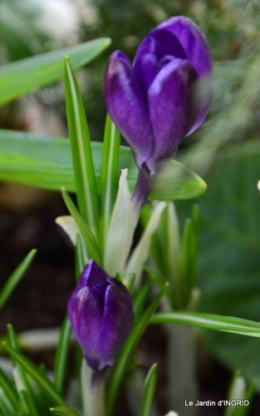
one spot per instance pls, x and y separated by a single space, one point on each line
85 180
215 322
92 244
81 256
149 390
15 278
63 411
20 77
109 171
22 382
35 373
9 391
61 356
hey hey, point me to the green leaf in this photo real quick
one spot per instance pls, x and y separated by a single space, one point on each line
9 391
109 171
35 373
81 257
15 278
46 163
85 180
149 390
4 406
141 251
176 182
92 245
122 364
189 254
61 356
140 297
63 411
239 391
122 225
21 379
27 405
210 321
25 75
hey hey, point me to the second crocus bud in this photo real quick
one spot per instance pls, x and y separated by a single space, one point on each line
101 315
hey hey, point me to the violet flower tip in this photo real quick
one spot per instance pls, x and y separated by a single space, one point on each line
101 315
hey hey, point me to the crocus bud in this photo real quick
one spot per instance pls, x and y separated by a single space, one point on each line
101 315
164 95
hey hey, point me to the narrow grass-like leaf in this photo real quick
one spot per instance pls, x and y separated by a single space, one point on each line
188 262
85 180
109 171
121 229
26 403
239 391
216 322
63 411
35 373
122 364
22 381
23 76
15 278
140 297
92 244
9 391
46 163
81 257
61 356
141 251
149 390
5 406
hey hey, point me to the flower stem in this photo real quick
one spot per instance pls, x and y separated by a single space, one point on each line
142 189
181 369
92 393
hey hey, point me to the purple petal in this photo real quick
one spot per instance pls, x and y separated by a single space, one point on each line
148 45
169 43
85 311
171 106
198 53
117 321
192 40
92 275
127 106
145 69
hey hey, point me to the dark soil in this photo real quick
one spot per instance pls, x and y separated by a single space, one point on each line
40 299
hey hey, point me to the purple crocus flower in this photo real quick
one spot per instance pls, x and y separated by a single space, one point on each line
165 95
101 315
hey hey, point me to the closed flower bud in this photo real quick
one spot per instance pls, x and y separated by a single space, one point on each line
164 95
101 315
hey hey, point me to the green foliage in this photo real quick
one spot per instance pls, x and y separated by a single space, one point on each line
84 174
31 393
229 252
149 390
61 356
210 321
15 278
20 77
63 411
122 364
20 162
